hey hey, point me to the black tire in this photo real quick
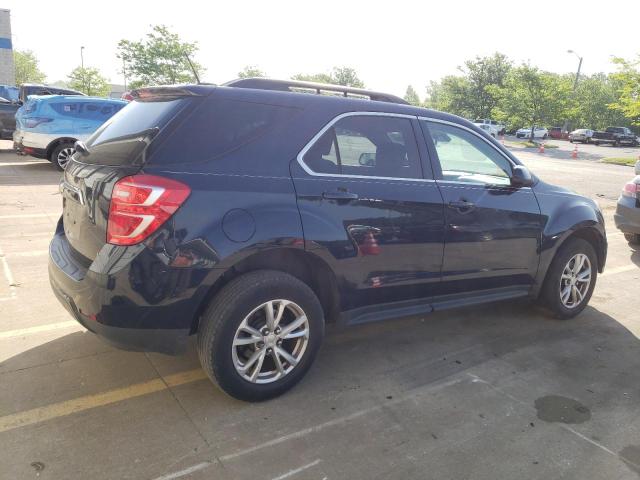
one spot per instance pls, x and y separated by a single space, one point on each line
226 312
56 155
550 294
632 238
545 136
570 141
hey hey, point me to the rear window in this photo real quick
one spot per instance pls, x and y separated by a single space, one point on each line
122 138
219 126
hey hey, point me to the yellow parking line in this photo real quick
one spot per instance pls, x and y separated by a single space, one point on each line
61 409
613 271
38 329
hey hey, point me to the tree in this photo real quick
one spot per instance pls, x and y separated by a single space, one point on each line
27 70
161 58
251 71
411 96
475 93
485 76
533 98
449 95
628 86
89 80
593 97
339 76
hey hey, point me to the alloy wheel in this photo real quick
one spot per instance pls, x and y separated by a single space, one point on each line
270 342
64 156
575 280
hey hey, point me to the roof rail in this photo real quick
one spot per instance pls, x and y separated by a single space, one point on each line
295 85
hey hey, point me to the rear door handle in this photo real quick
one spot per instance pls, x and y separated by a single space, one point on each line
462 205
340 195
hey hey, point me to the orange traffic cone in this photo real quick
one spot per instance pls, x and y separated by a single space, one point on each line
574 154
502 138
541 148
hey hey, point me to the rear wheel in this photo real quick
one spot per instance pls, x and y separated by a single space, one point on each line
570 279
632 238
260 335
61 155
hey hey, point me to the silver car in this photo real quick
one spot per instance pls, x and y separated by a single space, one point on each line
582 135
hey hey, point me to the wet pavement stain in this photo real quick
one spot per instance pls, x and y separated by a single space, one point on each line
631 456
554 408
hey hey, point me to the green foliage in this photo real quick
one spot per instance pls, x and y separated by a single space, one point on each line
89 80
411 96
474 94
339 76
531 97
251 71
27 70
591 103
159 59
629 161
628 87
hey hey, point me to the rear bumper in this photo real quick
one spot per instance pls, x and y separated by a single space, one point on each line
111 306
627 216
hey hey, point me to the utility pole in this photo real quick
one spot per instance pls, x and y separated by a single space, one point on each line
84 80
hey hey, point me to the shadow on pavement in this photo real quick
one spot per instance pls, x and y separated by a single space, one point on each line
592 359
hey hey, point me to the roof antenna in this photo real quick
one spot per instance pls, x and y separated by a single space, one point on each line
195 73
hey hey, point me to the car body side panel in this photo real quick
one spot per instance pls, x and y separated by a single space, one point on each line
563 214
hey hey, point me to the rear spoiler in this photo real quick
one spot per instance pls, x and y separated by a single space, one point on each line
165 92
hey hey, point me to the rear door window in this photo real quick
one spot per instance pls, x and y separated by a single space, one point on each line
367 145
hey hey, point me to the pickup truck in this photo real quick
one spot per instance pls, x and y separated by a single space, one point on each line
615 136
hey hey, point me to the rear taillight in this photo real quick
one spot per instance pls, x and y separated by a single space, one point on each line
33 122
140 204
631 189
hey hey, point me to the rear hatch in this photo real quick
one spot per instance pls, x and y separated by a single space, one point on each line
119 148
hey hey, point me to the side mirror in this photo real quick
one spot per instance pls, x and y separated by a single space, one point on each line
521 176
638 167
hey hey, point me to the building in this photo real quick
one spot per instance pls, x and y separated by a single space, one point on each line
7 67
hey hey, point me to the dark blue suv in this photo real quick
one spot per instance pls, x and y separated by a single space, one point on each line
252 213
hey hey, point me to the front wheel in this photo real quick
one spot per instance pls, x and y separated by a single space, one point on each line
570 279
61 155
544 137
260 335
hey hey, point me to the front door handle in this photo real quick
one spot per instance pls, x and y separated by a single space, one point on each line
340 195
462 205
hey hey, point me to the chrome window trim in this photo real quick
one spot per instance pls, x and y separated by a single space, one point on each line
457 125
332 122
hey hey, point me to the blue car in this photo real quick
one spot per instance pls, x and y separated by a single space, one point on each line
48 126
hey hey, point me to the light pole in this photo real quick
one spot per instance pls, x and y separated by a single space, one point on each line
575 84
82 57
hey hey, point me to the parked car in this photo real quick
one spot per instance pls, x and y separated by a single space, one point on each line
538 132
7 118
582 135
615 136
488 128
250 214
558 133
48 126
495 128
627 216
27 89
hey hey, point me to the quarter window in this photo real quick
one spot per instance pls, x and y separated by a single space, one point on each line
466 158
367 145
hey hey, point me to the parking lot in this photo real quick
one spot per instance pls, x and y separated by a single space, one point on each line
497 391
